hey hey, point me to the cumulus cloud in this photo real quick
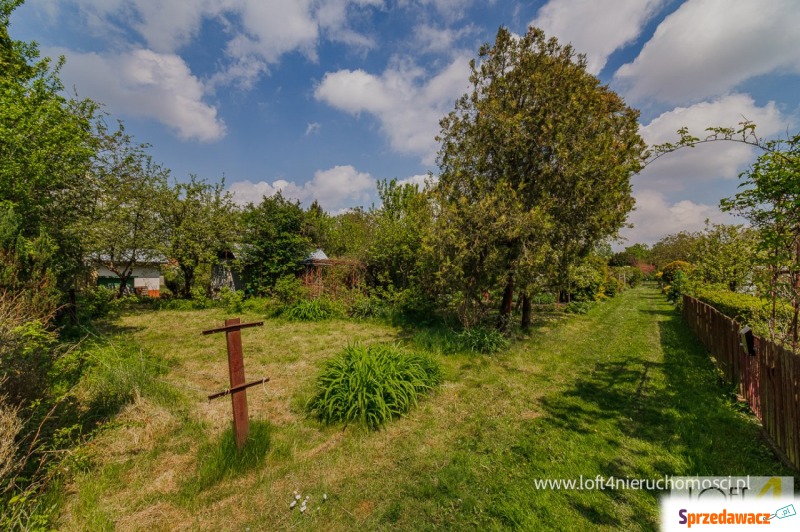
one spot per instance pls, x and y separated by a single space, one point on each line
596 28
407 105
655 216
675 171
336 188
707 47
449 9
261 31
332 18
432 39
147 84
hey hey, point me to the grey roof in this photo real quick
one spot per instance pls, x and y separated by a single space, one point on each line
316 255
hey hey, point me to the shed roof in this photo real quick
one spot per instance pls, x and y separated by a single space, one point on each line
316 255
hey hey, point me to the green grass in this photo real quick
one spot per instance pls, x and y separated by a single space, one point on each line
621 391
220 459
371 385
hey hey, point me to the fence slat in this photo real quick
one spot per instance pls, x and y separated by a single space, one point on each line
768 380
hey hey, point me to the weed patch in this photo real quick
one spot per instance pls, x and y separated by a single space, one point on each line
482 340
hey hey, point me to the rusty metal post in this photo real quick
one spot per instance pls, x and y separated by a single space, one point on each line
238 387
241 426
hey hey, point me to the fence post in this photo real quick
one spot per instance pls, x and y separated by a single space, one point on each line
237 390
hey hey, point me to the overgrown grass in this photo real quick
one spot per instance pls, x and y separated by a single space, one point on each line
219 459
310 310
370 385
624 390
482 340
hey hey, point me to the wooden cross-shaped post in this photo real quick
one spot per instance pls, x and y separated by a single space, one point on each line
236 369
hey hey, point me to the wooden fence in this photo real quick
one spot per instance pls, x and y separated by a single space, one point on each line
768 379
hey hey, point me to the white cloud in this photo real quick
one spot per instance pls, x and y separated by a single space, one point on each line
336 188
332 18
707 47
313 127
147 84
420 180
598 27
686 166
272 27
262 31
168 26
449 9
431 39
407 105
656 217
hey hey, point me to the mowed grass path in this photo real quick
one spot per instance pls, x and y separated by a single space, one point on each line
622 392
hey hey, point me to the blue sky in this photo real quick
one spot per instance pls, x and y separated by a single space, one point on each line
321 98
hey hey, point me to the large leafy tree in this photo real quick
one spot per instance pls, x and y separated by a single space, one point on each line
725 255
128 223
546 151
677 246
46 146
350 234
395 258
770 201
274 242
201 220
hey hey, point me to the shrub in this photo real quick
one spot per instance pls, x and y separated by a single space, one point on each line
310 310
676 290
96 303
256 305
482 340
613 286
27 350
745 308
230 300
578 307
371 385
289 290
369 307
543 299
198 303
668 274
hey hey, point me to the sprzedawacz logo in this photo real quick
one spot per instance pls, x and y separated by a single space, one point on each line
685 517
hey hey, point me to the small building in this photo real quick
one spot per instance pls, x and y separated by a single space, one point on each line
324 275
223 274
145 280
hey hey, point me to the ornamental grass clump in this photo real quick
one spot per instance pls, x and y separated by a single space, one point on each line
309 310
371 385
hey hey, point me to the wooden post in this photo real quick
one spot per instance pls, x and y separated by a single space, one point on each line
238 387
241 427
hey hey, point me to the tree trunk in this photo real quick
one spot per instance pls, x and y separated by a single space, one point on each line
188 281
507 303
526 311
123 285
